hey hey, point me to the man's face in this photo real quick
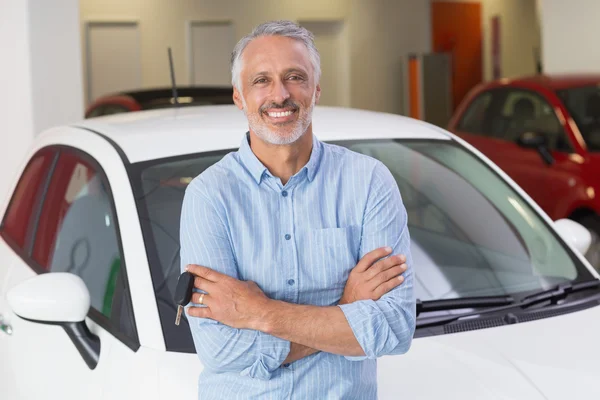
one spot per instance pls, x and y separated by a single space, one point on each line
278 89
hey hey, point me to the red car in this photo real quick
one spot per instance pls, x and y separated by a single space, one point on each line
543 131
149 99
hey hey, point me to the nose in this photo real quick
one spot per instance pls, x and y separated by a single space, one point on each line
280 91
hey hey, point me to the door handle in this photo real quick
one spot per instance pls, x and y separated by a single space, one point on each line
5 327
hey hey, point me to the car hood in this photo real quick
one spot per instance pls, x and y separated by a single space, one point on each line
551 358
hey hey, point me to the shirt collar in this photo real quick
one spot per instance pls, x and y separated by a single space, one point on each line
250 161
257 169
312 166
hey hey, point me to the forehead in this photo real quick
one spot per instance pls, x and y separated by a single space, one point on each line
269 53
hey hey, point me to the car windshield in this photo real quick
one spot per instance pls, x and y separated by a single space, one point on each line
471 233
583 103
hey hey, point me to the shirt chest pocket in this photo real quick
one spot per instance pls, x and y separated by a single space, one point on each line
331 255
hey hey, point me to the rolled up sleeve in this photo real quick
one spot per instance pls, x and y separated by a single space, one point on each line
205 241
385 326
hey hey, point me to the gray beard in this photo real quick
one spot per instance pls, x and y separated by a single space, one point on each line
273 137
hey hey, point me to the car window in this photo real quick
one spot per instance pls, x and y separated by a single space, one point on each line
583 104
77 233
26 198
110 109
471 233
107 109
473 119
525 111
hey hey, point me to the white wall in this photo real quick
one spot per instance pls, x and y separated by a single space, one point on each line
15 109
519 35
570 33
380 31
55 62
40 74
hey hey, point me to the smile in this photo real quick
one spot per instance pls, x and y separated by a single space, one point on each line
280 114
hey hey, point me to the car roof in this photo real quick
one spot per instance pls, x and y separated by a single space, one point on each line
154 134
555 81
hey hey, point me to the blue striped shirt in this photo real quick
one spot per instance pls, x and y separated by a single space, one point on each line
298 242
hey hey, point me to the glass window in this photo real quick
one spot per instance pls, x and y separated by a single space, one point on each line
77 231
472 234
583 104
110 109
473 119
26 197
525 111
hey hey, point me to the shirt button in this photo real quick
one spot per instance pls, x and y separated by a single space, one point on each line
291 282
288 236
284 193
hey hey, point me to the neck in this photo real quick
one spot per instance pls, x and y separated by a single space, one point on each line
283 161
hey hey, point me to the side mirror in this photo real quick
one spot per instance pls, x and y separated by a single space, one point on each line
532 140
51 298
537 141
58 298
576 234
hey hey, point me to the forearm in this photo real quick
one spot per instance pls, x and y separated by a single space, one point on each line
322 328
247 352
298 352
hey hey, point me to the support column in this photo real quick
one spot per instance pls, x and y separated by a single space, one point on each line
40 75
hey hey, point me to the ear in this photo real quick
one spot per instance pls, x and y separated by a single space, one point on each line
237 98
318 94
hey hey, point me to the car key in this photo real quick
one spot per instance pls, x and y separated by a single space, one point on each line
183 293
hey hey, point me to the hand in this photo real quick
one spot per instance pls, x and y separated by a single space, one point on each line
239 304
373 276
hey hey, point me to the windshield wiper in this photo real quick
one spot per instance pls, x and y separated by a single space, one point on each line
554 294
558 292
463 302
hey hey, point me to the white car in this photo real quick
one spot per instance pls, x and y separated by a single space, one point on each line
508 306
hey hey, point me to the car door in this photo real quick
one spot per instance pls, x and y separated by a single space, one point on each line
494 122
13 244
73 229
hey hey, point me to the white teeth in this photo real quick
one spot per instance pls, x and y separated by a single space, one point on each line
280 114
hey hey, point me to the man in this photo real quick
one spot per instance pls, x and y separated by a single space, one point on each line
293 215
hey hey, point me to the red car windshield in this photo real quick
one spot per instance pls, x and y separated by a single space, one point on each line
583 103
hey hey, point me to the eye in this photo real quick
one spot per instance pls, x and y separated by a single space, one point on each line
260 81
295 78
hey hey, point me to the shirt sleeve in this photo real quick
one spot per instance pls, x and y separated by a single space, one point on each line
385 326
204 238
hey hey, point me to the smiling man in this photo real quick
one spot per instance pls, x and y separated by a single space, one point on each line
300 249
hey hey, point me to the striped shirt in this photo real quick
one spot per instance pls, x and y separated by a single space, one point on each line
298 242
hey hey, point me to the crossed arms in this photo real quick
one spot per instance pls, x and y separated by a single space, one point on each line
242 330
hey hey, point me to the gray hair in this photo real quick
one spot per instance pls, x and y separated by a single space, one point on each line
275 28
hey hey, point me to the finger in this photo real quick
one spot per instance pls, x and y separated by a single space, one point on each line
206 300
372 256
203 284
388 286
388 274
383 265
204 272
199 312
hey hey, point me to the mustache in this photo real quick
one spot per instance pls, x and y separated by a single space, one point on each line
286 104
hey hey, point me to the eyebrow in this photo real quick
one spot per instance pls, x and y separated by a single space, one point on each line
287 71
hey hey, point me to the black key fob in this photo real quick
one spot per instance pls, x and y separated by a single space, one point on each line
183 292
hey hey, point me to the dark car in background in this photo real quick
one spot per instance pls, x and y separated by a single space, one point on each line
544 132
150 99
